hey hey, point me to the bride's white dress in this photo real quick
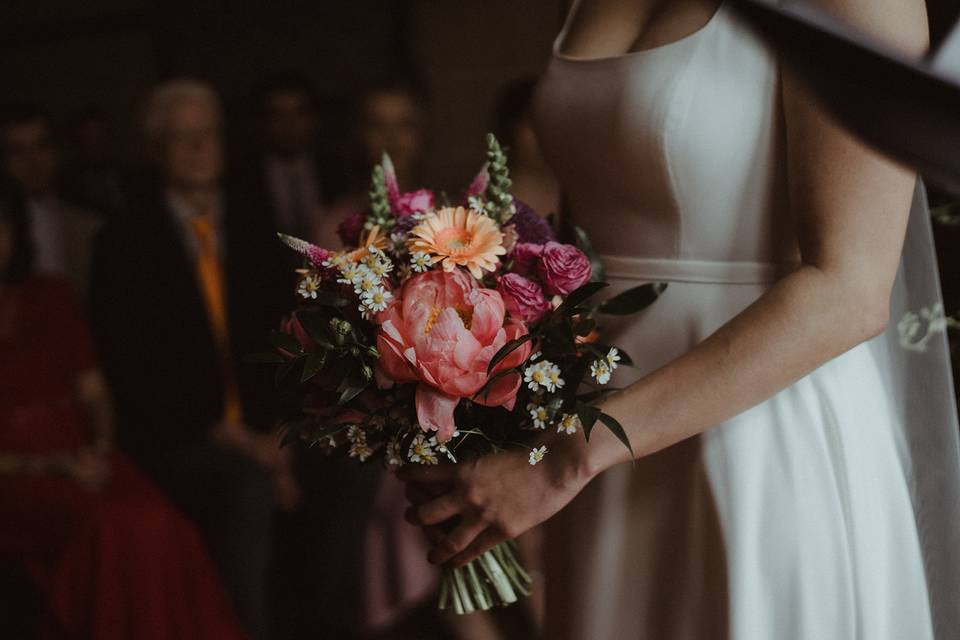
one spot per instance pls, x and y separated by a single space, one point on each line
792 520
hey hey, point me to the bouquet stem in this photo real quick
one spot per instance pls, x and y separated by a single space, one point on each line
496 578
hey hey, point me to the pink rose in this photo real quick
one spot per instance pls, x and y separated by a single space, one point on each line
412 202
523 298
525 256
441 332
563 268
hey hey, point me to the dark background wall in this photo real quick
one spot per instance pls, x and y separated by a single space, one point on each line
68 54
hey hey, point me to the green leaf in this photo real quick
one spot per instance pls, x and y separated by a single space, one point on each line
264 357
349 394
317 326
617 429
313 364
284 370
588 415
329 299
580 295
506 350
585 326
633 300
285 341
582 241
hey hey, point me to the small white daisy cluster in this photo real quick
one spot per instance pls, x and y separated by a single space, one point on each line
602 369
366 276
536 455
543 375
424 450
358 443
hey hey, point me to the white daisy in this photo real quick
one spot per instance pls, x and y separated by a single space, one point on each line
554 381
360 450
421 451
309 286
539 375
353 273
569 422
366 283
539 414
376 299
420 261
535 355
355 434
613 357
600 370
536 455
392 452
337 260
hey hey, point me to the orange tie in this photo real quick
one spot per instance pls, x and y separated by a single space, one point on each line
210 277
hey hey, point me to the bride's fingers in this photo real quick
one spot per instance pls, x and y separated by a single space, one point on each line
436 510
420 493
421 474
457 540
488 539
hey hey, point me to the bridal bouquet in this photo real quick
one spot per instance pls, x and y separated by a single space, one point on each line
448 332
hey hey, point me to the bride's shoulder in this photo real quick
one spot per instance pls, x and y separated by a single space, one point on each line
899 23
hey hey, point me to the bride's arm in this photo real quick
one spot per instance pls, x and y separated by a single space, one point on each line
852 207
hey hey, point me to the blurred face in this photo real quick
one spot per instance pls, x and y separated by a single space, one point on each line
29 156
526 145
191 154
290 124
392 123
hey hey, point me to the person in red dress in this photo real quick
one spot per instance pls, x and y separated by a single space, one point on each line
110 556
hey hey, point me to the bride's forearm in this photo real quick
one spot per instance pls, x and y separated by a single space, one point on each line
802 322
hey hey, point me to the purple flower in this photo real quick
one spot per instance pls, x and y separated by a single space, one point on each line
523 298
563 268
530 226
525 256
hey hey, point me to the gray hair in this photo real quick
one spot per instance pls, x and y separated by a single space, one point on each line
172 94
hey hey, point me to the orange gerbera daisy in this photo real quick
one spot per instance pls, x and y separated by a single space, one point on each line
374 238
459 237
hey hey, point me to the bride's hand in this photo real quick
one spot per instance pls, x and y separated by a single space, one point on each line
492 499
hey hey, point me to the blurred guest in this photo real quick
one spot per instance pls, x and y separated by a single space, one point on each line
291 170
533 180
92 175
110 556
390 118
184 287
62 234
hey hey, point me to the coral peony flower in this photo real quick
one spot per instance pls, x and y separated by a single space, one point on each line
459 237
407 204
441 331
563 268
523 298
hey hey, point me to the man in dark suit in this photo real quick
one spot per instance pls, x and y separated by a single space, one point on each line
183 288
292 174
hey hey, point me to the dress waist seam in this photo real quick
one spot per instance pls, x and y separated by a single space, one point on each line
702 271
